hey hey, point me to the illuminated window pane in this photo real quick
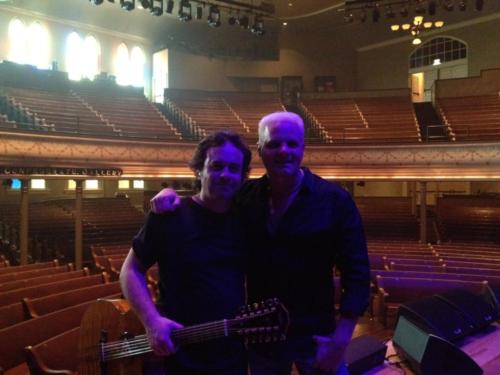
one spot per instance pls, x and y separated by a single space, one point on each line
71 185
91 54
138 60
91 184
38 46
160 75
38 183
122 65
17 41
15 184
123 184
73 56
138 184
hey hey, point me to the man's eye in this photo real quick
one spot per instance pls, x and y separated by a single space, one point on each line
217 167
272 144
234 168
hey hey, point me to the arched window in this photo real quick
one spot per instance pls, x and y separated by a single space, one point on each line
438 51
137 62
38 46
17 41
90 58
73 56
122 65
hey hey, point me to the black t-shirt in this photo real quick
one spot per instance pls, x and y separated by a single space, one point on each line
201 257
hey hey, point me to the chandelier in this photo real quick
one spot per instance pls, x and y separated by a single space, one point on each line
416 27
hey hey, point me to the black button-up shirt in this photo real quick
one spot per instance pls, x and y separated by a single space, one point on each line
321 229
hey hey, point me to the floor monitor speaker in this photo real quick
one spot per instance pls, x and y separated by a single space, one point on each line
435 316
429 354
475 308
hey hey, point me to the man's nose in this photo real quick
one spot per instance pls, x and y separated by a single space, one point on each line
283 148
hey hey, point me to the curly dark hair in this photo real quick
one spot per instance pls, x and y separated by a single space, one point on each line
218 139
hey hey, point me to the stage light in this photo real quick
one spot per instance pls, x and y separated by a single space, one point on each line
170 6
439 24
394 27
214 16
416 41
127 5
185 11
156 10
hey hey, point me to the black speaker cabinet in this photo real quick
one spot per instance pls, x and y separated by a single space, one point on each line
364 353
476 310
434 315
429 354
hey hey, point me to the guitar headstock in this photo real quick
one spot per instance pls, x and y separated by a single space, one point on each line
266 321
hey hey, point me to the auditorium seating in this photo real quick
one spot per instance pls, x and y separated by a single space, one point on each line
47 304
469 218
106 221
57 353
129 115
388 218
60 110
251 107
34 331
210 111
364 120
29 267
471 118
80 280
37 277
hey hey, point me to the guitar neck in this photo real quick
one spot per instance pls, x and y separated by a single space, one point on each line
183 336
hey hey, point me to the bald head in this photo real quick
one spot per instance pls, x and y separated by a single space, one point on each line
275 120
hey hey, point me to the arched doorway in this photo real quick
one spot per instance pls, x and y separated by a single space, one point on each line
438 58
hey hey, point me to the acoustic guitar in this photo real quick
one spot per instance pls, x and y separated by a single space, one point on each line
112 337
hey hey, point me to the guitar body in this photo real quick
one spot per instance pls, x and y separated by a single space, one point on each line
112 337
115 317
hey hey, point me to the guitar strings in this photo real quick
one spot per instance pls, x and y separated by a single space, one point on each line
188 335
141 344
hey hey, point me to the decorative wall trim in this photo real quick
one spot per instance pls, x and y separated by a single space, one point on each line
148 159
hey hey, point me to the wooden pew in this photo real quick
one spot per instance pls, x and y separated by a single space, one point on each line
58 353
53 302
28 267
34 331
17 295
14 285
